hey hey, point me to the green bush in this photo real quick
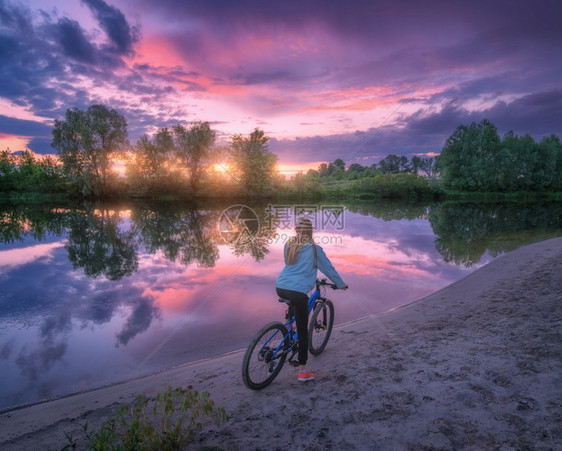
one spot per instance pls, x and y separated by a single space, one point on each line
394 186
167 422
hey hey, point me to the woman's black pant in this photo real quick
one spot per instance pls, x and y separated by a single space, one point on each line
299 303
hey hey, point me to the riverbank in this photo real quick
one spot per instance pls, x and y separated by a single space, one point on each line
477 364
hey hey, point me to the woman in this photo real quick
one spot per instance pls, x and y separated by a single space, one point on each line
302 259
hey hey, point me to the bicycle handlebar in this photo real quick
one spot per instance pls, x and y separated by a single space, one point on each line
322 282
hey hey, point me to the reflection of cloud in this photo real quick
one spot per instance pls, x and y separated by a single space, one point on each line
23 256
100 309
6 350
52 347
40 360
138 321
360 264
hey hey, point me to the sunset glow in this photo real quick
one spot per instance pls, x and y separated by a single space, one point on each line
222 168
13 142
388 79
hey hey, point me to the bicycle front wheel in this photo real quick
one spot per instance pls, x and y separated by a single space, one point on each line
320 327
261 362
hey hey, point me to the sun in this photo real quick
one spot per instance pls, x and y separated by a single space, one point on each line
221 168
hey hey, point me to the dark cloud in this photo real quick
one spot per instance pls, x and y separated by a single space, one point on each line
115 25
40 133
22 127
426 130
48 54
74 43
466 53
363 147
11 15
41 145
537 114
259 78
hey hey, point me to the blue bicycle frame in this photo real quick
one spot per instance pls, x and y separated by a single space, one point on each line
290 338
263 361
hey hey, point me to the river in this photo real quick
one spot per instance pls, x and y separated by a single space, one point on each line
95 294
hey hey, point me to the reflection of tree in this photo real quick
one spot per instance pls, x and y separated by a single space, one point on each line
245 230
33 220
184 235
96 244
256 246
388 211
465 231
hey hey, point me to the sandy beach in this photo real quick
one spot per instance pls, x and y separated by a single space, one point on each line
476 365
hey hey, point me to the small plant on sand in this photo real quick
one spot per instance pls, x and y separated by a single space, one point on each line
167 422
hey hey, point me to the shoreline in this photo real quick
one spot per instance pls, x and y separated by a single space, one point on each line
475 364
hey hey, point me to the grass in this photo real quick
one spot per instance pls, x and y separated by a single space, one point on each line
168 422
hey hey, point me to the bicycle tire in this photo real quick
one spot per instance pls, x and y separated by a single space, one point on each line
320 327
257 370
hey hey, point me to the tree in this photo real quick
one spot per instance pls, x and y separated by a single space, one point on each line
339 164
26 172
253 163
298 181
52 178
323 170
8 171
452 159
148 169
355 167
154 154
194 148
415 164
86 142
394 164
312 175
469 157
554 141
546 171
423 164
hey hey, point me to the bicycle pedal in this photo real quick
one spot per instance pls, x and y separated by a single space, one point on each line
293 363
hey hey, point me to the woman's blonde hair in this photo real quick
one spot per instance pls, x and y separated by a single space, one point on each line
303 236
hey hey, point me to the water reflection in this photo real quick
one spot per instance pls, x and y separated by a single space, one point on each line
20 221
182 235
466 231
88 294
97 244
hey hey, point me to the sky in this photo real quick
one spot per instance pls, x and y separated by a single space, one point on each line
355 80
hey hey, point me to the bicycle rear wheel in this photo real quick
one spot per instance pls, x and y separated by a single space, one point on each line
320 327
260 365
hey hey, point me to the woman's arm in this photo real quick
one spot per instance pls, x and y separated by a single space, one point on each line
325 265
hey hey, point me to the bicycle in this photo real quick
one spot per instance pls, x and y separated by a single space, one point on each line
270 346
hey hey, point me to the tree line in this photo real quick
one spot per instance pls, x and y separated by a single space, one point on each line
391 164
171 161
182 161
475 158
187 161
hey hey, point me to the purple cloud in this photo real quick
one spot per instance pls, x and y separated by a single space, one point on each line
121 35
274 60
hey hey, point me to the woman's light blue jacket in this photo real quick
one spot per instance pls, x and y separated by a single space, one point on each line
302 275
